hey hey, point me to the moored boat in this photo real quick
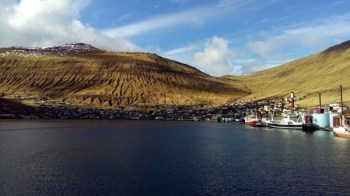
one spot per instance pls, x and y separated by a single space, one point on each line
257 124
310 127
292 121
342 131
285 123
251 120
239 120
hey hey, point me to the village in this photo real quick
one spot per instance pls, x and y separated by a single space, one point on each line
324 117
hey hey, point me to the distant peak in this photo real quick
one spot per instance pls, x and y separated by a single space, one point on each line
338 48
71 47
67 49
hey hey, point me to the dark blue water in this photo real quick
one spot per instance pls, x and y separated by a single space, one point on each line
168 158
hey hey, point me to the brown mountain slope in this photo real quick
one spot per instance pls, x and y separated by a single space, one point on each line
319 73
83 75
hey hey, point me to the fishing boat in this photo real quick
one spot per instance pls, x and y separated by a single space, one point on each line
343 130
257 124
286 123
252 120
291 121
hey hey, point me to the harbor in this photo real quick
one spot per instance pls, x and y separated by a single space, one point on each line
255 113
283 113
330 118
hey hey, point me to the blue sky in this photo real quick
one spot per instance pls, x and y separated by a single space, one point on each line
218 37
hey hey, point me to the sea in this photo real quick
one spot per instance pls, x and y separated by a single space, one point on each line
109 157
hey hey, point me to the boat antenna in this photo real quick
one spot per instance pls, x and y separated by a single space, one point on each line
292 102
319 100
341 104
341 98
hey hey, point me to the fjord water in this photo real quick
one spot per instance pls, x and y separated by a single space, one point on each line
103 157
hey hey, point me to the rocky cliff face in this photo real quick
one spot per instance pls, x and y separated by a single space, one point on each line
83 75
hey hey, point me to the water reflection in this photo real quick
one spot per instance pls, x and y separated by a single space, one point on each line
148 157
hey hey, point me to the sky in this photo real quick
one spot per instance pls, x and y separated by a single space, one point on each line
218 37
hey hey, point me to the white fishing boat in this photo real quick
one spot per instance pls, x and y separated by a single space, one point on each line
291 121
286 123
343 130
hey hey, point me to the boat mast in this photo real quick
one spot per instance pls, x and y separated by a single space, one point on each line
292 102
319 100
341 99
341 106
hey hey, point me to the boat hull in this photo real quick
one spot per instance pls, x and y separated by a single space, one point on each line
251 122
256 124
309 127
341 132
283 126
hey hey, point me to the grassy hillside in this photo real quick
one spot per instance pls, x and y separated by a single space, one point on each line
82 75
319 73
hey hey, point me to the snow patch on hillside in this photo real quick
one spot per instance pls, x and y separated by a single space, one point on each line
66 49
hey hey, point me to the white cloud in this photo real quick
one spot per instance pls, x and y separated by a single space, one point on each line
179 1
195 17
51 22
215 59
265 49
316 35
232 4
186 17
180 51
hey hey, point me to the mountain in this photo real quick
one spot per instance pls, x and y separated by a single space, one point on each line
80 74
307 77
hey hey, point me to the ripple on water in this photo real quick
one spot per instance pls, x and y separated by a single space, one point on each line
162 158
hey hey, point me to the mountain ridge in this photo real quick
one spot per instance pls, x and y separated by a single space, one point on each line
83 75
80 74
322 72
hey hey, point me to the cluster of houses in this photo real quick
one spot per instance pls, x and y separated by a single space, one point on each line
48 110
155 112
325 117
